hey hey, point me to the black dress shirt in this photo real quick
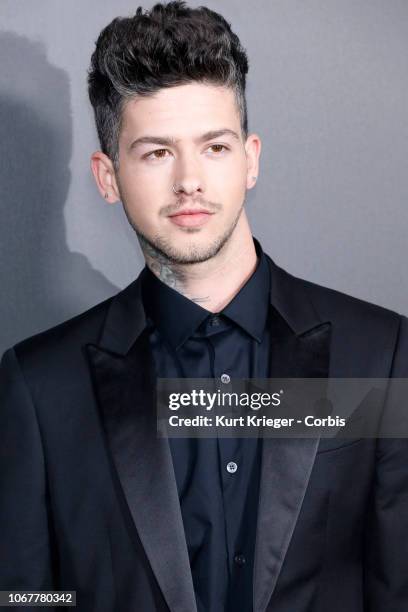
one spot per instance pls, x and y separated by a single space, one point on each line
218 503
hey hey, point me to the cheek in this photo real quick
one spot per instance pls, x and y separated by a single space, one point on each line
142 195
233 180
231 174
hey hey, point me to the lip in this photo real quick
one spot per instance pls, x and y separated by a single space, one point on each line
191 211
191 217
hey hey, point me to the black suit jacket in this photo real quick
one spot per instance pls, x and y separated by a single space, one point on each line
88 495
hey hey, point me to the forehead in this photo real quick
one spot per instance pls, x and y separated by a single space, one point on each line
181 111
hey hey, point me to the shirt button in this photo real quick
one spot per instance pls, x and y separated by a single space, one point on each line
232 467
215 321
239 560
225 378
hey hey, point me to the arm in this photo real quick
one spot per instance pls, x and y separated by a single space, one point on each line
25 550
386 554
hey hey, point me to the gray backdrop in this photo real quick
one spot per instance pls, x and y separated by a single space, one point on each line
327 92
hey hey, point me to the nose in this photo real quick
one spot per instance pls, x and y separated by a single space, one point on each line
188 178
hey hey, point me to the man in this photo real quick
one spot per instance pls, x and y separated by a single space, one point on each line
92 500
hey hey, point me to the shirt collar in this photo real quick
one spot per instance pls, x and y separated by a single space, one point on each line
178 317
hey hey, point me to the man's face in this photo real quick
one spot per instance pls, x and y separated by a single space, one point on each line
189 137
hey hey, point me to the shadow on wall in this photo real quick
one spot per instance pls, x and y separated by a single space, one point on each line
42 282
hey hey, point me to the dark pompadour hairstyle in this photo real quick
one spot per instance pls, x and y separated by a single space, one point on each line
169 45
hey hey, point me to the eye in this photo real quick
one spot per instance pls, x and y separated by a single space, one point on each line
157 154
218 148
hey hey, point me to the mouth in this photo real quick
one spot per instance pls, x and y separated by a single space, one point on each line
190 217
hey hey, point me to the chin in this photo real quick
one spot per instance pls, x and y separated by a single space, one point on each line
189 250
193 253
187 247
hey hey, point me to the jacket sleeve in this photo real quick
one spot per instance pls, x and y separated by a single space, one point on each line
25 547
386 551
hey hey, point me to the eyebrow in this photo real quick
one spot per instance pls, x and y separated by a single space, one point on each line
169 141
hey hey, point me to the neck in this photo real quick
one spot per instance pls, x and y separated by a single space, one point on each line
212 284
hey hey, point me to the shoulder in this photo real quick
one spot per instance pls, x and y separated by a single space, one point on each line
333 305
62 343
61 351
345 309
366 338
359 324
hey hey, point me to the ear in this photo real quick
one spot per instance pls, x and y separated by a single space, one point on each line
105 178
253 150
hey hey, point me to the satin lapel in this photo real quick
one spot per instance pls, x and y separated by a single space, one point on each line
286 463
126 392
